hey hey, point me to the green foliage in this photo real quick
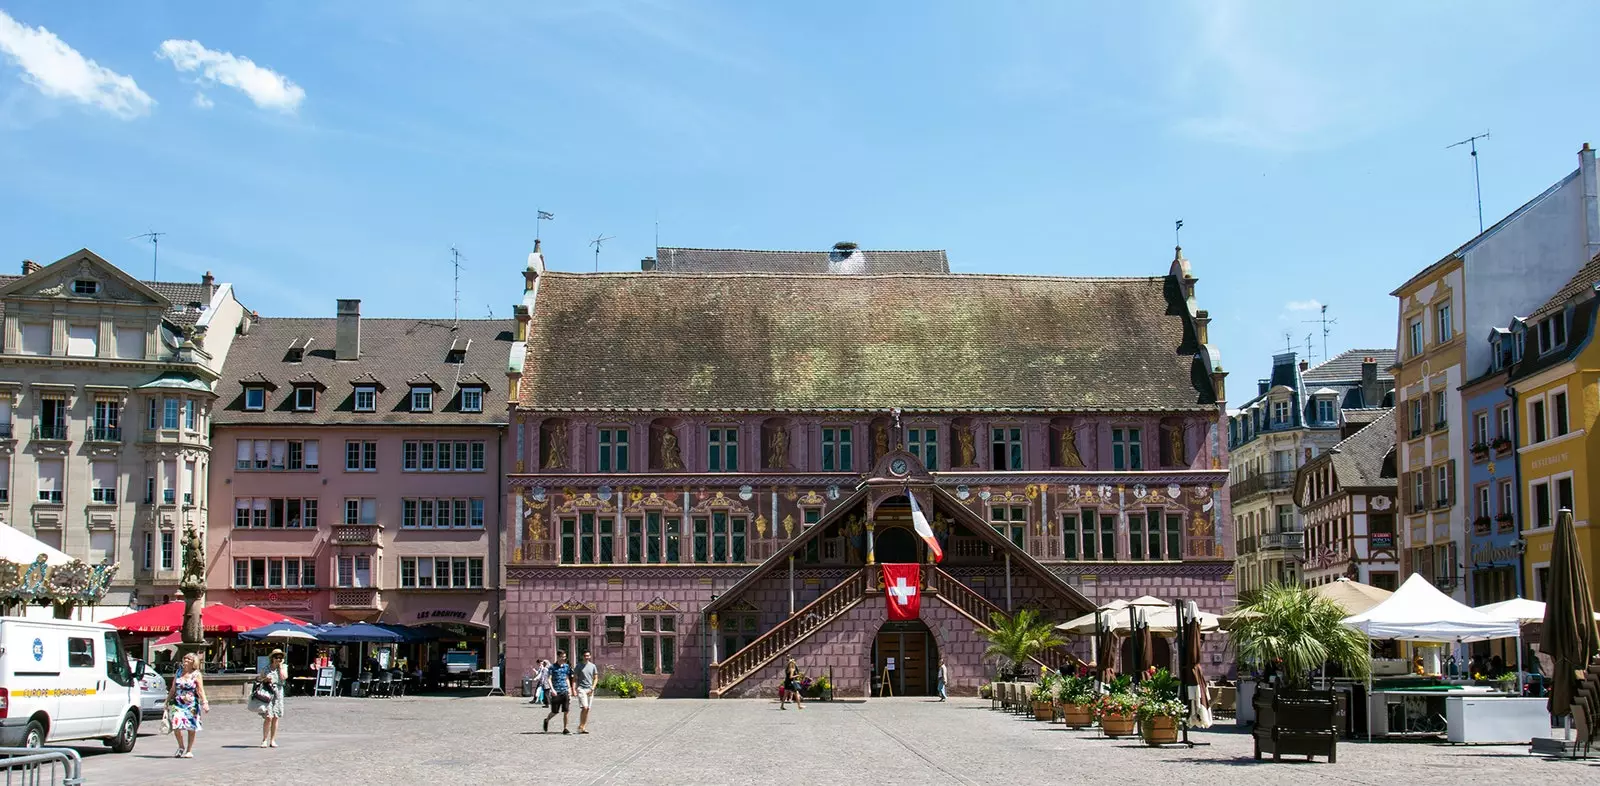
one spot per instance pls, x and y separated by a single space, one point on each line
622 683
1158 695
1045 690
1077 688
1019 637
1297 631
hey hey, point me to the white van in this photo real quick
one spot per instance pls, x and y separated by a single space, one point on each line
62 680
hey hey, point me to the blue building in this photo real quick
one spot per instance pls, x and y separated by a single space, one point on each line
1494 551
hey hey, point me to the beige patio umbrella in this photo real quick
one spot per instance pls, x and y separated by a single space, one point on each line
1353 596
1119 615
1568 634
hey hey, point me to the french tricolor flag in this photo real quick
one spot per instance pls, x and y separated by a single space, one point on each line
920 522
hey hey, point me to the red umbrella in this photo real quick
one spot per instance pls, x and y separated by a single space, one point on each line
168 617
267 616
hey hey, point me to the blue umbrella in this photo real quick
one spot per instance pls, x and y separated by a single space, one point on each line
282 631
358 632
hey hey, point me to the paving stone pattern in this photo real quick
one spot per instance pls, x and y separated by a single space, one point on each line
691 741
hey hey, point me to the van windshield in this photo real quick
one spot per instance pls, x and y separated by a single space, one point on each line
117 668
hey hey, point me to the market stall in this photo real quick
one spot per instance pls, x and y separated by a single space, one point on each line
1419 612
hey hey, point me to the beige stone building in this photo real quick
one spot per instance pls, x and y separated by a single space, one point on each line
106 391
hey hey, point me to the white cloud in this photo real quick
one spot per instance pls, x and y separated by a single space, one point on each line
1303 305
60 71
200 100
267 88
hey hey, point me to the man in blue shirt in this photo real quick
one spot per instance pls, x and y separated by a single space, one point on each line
561 684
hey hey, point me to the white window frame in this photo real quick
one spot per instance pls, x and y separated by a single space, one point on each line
1418 340
1503 420
1538 427
1555 429
421 399
365 398
472 399
1442 322
1280 412
255 399
305 399
1480 423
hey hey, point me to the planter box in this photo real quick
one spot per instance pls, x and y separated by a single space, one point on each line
1116 726
1077 716
1296 723
1044 711
1159 730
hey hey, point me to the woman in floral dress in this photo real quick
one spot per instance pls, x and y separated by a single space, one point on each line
186 701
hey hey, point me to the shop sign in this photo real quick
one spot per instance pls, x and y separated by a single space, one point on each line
442 614
1489 555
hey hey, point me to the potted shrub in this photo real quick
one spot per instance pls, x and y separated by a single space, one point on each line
1115 709
819 688
1015 639
1297 632
1077 699
986 690
1480 525
1159 708
1044 695
1502 445
623 684
1480 451
1504 520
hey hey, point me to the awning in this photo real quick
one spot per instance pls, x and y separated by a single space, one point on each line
168 617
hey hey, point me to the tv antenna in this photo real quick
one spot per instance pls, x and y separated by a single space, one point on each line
1472 142
155 250
598 241
1288 341
455 262
1309 354
1327 327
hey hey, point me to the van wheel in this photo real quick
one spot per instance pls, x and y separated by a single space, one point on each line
33 735
127 734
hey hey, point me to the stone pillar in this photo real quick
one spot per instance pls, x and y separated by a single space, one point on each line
791 585
871 554
1008 581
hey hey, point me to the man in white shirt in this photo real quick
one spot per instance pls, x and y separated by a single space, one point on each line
585 679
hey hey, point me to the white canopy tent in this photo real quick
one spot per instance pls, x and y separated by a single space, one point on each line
22 548
1418 611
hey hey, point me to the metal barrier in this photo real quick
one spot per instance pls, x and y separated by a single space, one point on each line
41 767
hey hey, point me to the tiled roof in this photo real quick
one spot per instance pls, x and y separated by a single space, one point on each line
1581 281
662 341
1346 366
392 352
183 313
1358 460
1365 415
729 260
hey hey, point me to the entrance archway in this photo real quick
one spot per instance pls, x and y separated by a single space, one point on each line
1160 652
895 544
915 657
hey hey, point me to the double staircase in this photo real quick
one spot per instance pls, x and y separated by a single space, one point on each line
846 595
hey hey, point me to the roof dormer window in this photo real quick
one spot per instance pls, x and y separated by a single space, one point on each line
421 399
472 399
255 399
366 398
1280 413
85 286
305 399
1553 333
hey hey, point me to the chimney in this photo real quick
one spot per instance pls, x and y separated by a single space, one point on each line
1202 326
210 283
1305 365
1262 385
1371 394
647 264
347 338
1591 201
29 266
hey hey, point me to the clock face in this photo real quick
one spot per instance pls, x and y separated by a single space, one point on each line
898 466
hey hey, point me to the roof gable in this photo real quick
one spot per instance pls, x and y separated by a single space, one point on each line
732 260
55 280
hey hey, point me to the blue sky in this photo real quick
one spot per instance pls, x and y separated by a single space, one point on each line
311 151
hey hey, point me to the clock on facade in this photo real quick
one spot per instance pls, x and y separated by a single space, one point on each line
898 466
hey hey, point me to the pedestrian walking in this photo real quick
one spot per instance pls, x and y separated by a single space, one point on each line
586 680
186 699
266 699
541 672
943 675
560 681
791 686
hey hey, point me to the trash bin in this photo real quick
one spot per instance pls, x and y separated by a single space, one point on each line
527 687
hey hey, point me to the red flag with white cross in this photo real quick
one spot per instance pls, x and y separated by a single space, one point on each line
901 590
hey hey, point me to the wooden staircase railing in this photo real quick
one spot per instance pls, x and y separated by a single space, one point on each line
734 668
978 608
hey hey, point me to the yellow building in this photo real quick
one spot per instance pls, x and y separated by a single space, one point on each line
1555 367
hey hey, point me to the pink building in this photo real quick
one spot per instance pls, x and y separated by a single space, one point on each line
359 473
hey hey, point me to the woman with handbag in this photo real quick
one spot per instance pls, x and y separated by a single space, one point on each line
186 701
266 699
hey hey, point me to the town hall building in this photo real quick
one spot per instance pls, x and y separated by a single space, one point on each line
709 458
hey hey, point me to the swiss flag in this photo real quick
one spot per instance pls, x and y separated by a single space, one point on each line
902 591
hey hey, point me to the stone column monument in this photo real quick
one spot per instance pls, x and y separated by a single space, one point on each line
193 587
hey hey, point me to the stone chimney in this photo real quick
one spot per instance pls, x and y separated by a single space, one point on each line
1262 386
647 264
29 266
1371 394
210 283
347 338
1305 365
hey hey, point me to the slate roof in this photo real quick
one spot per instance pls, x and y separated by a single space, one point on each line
392 351
1363 416
1358 460
187 300
1346 366
731 260
676 342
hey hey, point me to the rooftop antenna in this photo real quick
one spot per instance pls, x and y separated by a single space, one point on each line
1288 341
155 250
1472 142
543 216
455 262
1308 348
597 242
1327 327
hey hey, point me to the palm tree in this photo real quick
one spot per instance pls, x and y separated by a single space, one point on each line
1298 631
1019 636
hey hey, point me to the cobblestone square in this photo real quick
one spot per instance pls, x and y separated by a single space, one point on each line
661 741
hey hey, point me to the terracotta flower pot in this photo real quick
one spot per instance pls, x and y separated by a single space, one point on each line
1116 725
1044 711
1077 716
1159 730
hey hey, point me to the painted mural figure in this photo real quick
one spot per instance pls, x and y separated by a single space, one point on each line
1069 448
1177 452
557 457
778 452
670 457
880 441
969 453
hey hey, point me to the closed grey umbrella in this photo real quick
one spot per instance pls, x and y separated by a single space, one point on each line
1568 636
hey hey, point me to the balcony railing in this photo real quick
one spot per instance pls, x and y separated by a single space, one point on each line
356 534
1265 481
1283 540
48 431
105 434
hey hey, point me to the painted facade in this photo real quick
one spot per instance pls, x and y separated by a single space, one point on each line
362 474
714 499
1508 270
1297 413
106 397
1494 547
1347 495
